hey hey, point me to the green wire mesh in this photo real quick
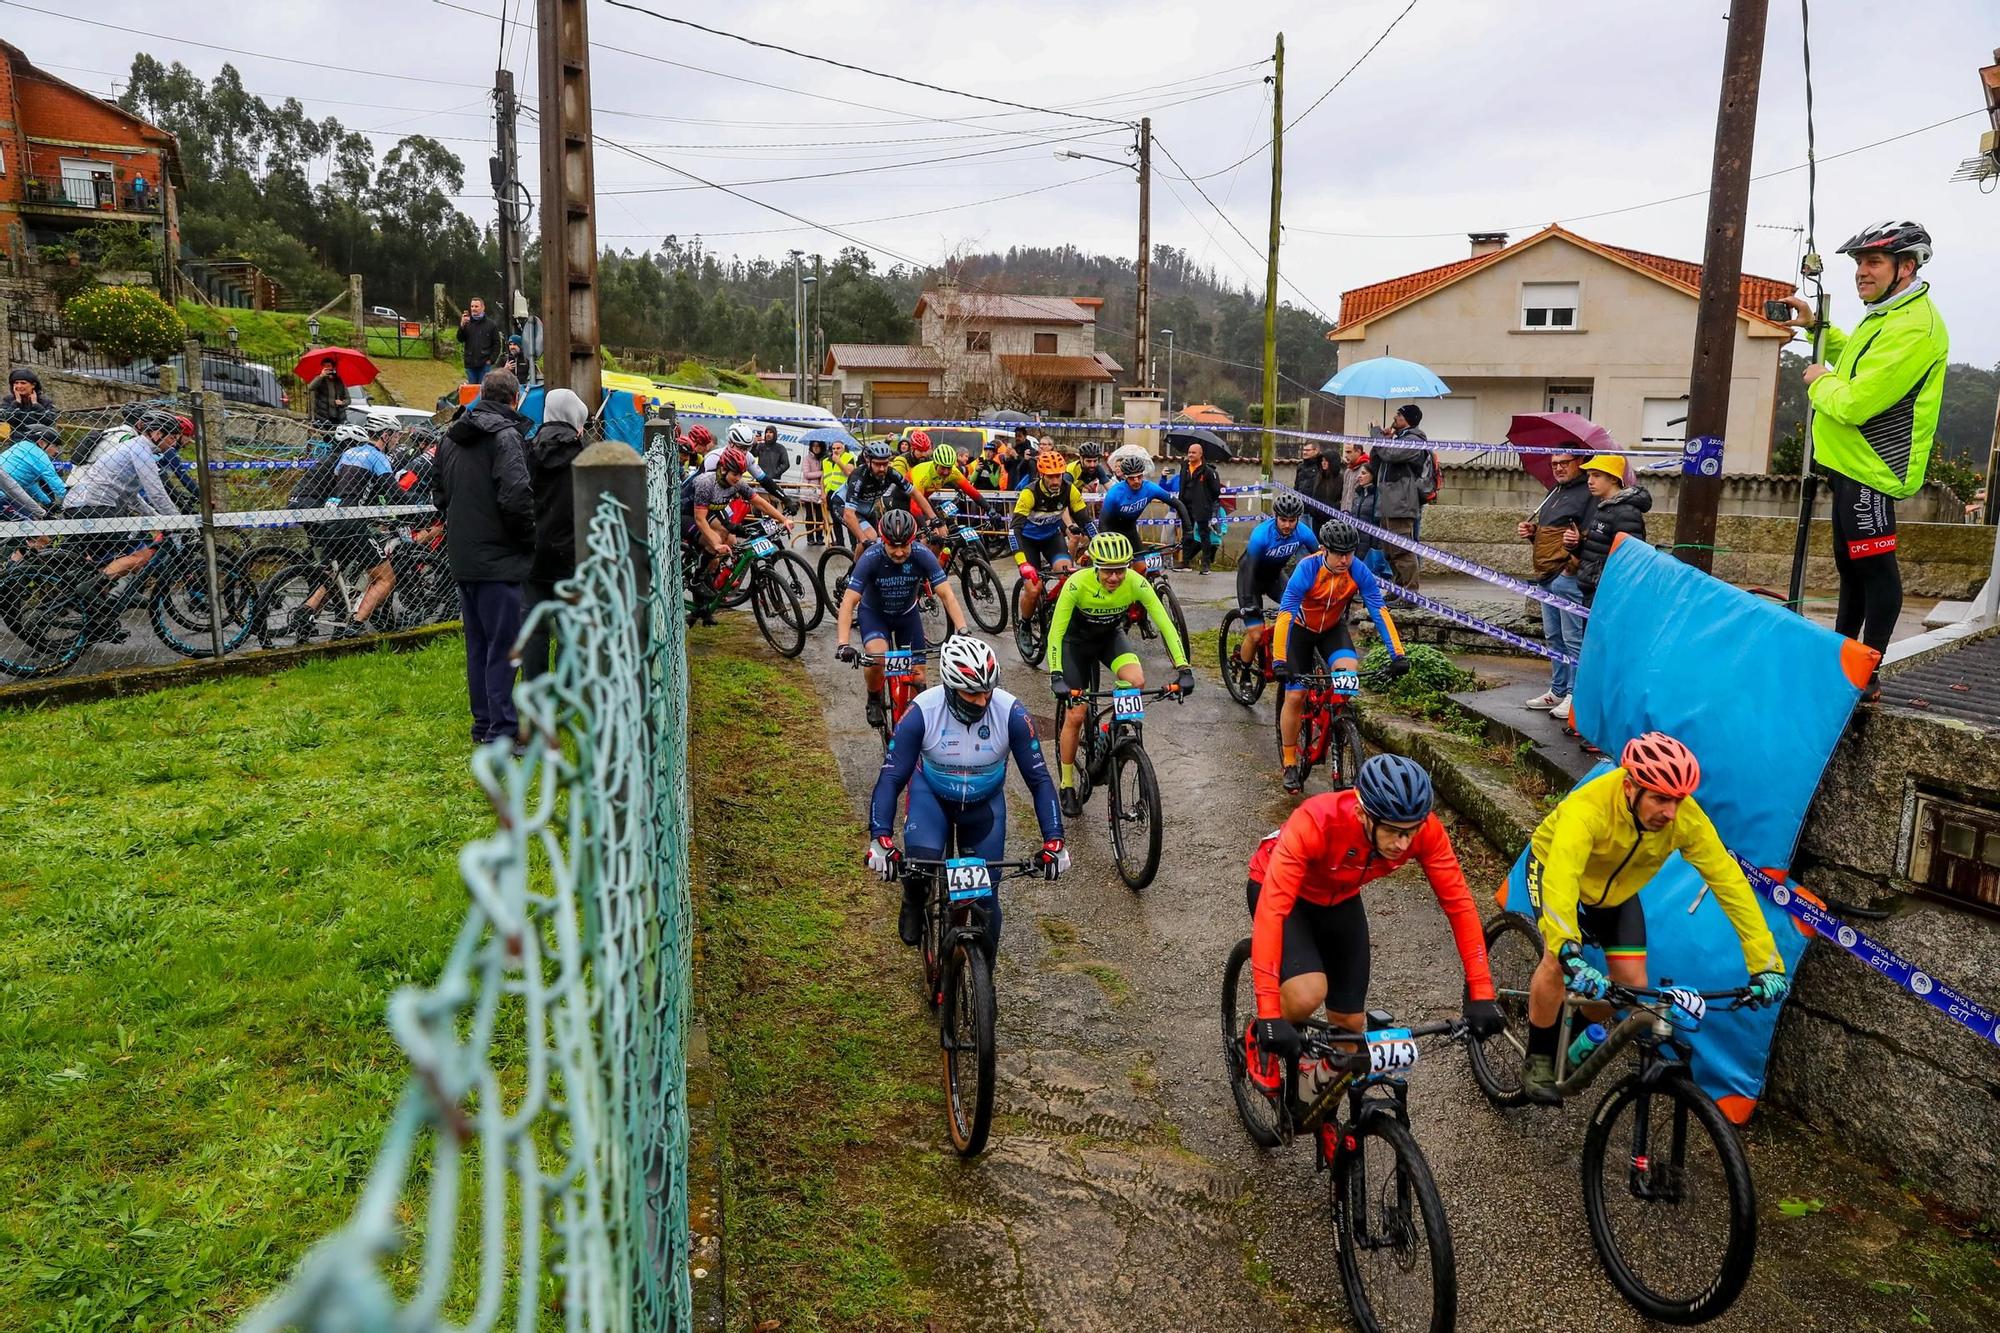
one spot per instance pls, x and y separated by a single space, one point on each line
547 1063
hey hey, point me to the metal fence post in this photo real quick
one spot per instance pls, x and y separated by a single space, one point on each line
207 421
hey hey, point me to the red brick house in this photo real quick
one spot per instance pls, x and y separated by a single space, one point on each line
69 158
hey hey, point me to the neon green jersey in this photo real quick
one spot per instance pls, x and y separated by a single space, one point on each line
1084 595
1875 417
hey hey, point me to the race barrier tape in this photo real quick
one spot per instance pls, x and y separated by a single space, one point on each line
1947 1000
1473 622
251 518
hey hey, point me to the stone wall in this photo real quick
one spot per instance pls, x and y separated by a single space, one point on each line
1855 1056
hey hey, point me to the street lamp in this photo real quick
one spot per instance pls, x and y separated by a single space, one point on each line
1168 406
312 327
1143 150
231 332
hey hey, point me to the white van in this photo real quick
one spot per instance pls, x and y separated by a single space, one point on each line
798 420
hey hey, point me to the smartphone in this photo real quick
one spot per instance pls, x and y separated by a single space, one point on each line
1778 311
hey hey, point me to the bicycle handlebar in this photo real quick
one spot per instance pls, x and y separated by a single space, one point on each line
1163 692
1346 1046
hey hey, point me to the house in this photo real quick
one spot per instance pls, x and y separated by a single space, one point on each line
1203 414
69 159
1037 353
883 379
1559 322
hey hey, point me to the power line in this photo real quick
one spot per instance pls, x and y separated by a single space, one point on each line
1255 248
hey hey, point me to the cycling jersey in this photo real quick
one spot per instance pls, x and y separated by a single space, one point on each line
714 456
1875 416
891 587
1123 505
1038 513
1317 598
361 477
963 762
928 479
866 494
1092 474
1323 855
1592 852
708 491
124 478
1083 594
1260 569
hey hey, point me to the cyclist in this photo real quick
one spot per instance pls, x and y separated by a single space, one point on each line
940 470
1125 501
916 450
28 470
1587 862
873 489
1089 469
1309 932
715 490
362 475
950 753
1264 566
888 580
744 440
1312 623
123 481
1047 508
1097 598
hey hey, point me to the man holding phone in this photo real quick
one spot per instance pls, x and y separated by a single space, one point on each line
1875 413
1555 528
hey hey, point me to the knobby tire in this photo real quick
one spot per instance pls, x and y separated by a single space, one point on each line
1390 1195
967 1015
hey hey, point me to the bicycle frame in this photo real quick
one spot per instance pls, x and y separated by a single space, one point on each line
900 668
1650 1025
965 921
1324 701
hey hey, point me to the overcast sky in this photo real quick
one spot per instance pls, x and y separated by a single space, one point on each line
1470 116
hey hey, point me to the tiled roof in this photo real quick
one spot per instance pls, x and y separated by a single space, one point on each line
1361 304
1204 414
1054 367
1000 308
880 356
1105 359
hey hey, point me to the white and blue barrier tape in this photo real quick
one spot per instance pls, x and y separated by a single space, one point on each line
1470 621
1947 1000
252 518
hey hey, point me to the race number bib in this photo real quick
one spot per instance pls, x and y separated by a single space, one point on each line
947 508
762 548
1391 1051
1128 704
969 535
967 878
899 664
1687 1003
1151 562
1344 682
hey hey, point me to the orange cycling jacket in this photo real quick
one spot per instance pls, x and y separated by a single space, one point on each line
1322 855
1318 596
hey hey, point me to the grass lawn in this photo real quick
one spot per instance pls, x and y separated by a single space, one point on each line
418 382
209 894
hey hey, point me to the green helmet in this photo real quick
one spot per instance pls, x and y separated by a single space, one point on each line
1110 549
945 457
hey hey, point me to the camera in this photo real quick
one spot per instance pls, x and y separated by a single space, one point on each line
1778 311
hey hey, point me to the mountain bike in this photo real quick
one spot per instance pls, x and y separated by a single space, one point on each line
53 604
1031 629
1245 682
957 542
1667 1189
788 565
286 613
958 984
1329 731
1397 1266
1114 757
754 569
902 674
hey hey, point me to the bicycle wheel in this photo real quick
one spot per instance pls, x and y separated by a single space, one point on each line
1132 799
985 604
1030 630
1244 683
1672 1208
1173 608
1258 1113
965 1021
1396 1262
284 618
1513 951
50 620
800 577
933 957
930 611
835 564
1312 724
180 613
264 559
780 618
1344 751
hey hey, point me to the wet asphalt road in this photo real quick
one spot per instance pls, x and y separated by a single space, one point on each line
1120 1191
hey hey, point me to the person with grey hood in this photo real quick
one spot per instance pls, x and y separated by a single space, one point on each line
481 488
554 447
1399 489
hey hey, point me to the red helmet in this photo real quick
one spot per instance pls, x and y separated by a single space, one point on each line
733 459
1658 762
700 438
187 426
920 443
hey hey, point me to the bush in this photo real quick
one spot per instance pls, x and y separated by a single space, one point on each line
1422 690
126 322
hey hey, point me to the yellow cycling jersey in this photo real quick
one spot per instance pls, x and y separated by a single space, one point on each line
1590 850
929 478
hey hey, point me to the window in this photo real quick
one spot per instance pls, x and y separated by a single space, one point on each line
1664 420
1548 305
1954 850
979 342
1045 343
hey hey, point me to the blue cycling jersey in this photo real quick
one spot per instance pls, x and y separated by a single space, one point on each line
1123 503
963 763
889 587
1269 549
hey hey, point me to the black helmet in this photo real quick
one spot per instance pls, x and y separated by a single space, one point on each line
1131 465
1896 237
1338 536
1288 506
157 419
48 437
880 450
897 527
1394 788
1090 449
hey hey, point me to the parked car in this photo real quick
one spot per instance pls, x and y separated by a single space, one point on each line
250 382
385 313
357 414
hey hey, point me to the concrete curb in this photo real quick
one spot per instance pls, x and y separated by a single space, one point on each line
1482 791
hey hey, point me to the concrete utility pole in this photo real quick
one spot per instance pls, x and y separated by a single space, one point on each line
813 329
569 216
506 172
1721 275
798 330
1144 350
1270 455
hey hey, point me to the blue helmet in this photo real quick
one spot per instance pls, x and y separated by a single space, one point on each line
1394 788
878 449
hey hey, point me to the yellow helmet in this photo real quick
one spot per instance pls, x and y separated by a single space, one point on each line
1110 548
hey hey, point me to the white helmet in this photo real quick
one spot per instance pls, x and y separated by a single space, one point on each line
381 421
745 434
348 434
967 664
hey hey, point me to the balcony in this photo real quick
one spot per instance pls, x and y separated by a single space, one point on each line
78 196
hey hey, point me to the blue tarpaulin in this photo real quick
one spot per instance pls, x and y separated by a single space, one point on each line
621 417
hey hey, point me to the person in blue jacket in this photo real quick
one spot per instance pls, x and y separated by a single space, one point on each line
950 753
28 464
1263 567
1128 497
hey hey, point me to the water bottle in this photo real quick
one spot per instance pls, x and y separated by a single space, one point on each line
1586 1041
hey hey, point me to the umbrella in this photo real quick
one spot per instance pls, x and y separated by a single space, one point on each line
1006 414
1553 430
352 367
1386 377
1213 448
830 436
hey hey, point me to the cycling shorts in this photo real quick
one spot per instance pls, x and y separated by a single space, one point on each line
1086 649
1043 552
904 631
1305 648
1619 930
1328 940
1271 586
1864 520
349 543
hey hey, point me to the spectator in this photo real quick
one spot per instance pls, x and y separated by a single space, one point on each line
326 396
1200 490
28 464
813 469
554 447
1619 509
1554 529
27 403
1363 506
1352 458
1318 479
990 472
480 337
513 359
772 456
481 488
1399 489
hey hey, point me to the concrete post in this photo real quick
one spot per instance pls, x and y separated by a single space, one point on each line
610 467
208 426
1142 419
355 310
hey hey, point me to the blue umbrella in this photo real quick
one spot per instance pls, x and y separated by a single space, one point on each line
1386 377
830 436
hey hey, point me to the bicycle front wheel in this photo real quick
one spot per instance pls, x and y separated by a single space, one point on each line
1396 1262
984 602
1172 606
284 617
1513 952
1030 630
804 583
780 618
965 1021
834 567
1258 1112
1132 799
1244 683
1672 1208
1344 750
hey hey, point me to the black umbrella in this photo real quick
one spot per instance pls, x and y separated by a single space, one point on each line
1006 414
1213 448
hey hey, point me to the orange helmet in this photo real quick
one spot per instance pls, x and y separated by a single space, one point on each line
920 443
1051 463
1659 763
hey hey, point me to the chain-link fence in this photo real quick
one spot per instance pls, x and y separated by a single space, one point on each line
541 1141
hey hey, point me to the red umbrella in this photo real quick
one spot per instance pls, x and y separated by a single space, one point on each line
1554 430
352 367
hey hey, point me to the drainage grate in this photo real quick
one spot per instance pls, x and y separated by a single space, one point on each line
1961 683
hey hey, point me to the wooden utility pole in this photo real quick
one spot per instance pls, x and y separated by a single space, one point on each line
1270 406
1721 276
569 216
1144 336
506 175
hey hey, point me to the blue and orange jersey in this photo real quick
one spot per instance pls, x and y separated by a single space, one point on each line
1318 596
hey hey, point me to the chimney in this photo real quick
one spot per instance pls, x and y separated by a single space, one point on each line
1486 242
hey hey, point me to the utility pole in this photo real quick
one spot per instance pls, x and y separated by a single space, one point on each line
1721 276
1270 456
506 171
1144 350
569 217
813 329
798 331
